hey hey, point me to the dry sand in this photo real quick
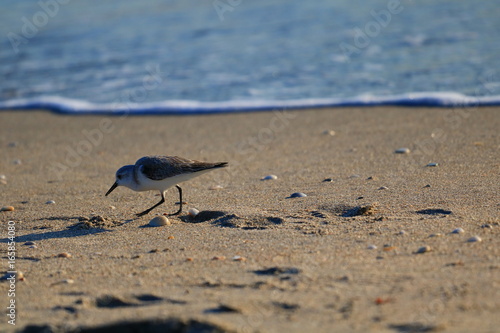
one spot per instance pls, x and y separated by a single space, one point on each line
305 263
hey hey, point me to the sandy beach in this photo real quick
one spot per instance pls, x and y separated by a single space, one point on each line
375 246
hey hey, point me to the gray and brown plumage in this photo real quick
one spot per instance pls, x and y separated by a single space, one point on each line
160 173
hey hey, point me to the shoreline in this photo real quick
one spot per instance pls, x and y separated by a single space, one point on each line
345 257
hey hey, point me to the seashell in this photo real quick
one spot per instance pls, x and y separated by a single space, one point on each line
424 249
159 221
298 195
458 231
474 239
7 209
372 247
329 132
219 258
50 202
327 180
64 255
269 177
402 151
193 212
383 188
238 258
170 237
432 165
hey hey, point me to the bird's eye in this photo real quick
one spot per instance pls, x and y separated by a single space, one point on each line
119 177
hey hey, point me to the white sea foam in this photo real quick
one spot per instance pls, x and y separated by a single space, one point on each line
72 106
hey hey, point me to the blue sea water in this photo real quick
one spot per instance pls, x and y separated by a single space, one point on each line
166 56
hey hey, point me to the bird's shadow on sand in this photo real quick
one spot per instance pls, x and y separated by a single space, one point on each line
54 234
77 229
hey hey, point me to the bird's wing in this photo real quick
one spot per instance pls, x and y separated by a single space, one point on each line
161 167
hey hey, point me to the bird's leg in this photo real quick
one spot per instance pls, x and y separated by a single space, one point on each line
180 200
150 209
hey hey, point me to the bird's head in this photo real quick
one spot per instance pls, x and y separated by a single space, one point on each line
124 177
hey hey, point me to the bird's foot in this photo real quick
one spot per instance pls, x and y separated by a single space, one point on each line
142 213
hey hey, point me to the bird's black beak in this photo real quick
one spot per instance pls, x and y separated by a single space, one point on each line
115 185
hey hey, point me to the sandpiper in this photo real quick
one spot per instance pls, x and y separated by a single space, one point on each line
160 173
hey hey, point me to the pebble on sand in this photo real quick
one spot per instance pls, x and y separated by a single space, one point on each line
17 162
193 212
474 239
372 247
50 202
327 180
216 188
269 177
383 188
7 209
159 221
402 151
298 195
329 132
424 249
458 231
64 255
432 165
239 258
219 258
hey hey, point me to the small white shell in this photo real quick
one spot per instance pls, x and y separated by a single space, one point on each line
458 231
424 249
474 239
269 177
298 195
383 188
159 221
402 151
50 202
193 212
329 132
372 247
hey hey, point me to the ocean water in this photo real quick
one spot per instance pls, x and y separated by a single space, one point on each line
166 56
